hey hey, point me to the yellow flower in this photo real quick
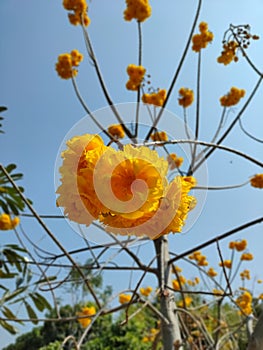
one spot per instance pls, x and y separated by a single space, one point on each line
211 272
187 302
136 75
259 281
116 130
86 311
229 53
174 161
127 190
187 97
218 292
7 223
159 136
66 62
176 285
146 291
155 98
245 275
247 256
151 336
244 301
232 98
199 258
257 181
124 298
260 296
240 246
77 194
79 10
226 263
201 40
137 9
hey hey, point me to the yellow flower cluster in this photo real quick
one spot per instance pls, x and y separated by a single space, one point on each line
86 311
146 291
116 130
159 136
179 282
226 263
199 258
193 282
257 181
79 10
238 245
187 302
187 97
211 272
201 40
233 97
229 53
244 301
124 298
126 190
155 98
247 257
7 223
66 62
174 161
137 9
151 336
245 275
136 75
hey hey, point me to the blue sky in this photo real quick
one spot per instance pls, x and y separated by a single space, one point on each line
42 108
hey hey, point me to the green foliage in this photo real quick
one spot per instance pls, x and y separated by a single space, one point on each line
2 109
10 200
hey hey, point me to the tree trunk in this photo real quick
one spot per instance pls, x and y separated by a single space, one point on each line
256 340
170 330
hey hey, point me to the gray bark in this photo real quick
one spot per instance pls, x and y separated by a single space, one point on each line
170 329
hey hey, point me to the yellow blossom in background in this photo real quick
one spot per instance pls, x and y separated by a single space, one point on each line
226 263
86 311
247 256
257 181
187 97
124 298
233 97
199 258
260 296
245 275
259 281
78 14
211 272
116 130
238 245
174 161
177 269
8 223
151 336
244 301
66 62
229 53
176 285
159 136
218 292
201 40
146 291
187 302
155 98
136 75
137 9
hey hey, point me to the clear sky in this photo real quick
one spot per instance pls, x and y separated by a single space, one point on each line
42 108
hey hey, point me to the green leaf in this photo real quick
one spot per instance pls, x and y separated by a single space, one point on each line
9 314
3 109
10 167
46 279
11 329
31 313
7 275
14 294
16 247
40 302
